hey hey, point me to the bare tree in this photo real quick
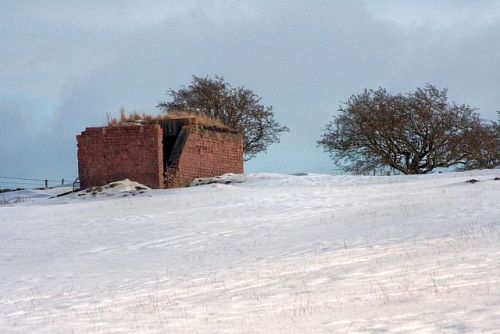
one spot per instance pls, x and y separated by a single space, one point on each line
412 133
484 147
237 107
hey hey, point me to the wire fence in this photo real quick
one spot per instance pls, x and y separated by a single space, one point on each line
16 183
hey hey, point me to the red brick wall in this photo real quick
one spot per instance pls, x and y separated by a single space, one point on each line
110 154
208 153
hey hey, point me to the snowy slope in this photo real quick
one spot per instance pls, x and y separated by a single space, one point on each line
262 253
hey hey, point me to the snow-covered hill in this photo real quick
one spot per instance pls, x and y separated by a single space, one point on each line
256 253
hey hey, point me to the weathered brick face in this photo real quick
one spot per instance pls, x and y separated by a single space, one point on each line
110 154
208 153
114 153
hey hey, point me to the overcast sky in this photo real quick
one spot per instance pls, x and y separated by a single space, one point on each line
65 64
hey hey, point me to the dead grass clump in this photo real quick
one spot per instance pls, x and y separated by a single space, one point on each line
135 118
200 119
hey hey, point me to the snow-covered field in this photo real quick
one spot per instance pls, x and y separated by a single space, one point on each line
269 253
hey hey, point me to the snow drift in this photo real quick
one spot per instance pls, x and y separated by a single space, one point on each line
263 253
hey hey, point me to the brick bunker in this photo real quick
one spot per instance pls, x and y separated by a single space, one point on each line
169 153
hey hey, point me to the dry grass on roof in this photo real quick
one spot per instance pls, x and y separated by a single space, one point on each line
136 119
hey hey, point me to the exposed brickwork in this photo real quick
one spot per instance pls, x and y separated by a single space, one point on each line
208 153
114 153
109 154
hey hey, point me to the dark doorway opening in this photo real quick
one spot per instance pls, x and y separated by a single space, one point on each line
174 138
168 148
